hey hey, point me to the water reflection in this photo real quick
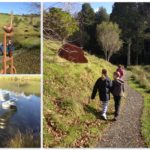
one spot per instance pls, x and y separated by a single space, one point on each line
18 94
5 129
18 87
5 118
25 118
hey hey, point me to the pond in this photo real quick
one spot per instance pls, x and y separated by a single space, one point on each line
26 118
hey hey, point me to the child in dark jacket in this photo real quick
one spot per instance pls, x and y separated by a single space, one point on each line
103 85
117 90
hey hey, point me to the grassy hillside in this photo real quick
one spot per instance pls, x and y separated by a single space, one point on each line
140 80
23 25
26 41
69 119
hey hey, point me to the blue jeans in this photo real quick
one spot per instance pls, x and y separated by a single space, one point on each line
1 47
8 48
104 107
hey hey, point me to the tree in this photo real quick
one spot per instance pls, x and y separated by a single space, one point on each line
87 15
126 15
86 18
144 9
101 15
34 7
59 22
137 47
31 19
71 7
108 34
16 21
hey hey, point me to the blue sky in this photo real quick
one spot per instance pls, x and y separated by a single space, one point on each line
107 5
95 5
16 7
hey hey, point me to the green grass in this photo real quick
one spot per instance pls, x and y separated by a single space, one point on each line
28 62
26 140
69 120
140 81
22 26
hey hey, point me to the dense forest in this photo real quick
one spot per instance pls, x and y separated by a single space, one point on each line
120 37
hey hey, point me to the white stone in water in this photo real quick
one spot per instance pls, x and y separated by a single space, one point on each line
6 101
2 127
8 104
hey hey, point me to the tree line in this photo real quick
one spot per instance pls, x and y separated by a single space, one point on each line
120 37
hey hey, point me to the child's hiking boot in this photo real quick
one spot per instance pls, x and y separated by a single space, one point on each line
104 116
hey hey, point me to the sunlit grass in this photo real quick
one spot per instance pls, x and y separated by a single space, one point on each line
68 116
140 81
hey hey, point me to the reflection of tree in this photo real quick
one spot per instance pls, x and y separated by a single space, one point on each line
4 118
4 122
20 78
21 84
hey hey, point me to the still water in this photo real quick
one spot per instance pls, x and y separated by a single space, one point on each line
26 118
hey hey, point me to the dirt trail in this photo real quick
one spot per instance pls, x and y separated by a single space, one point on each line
125 132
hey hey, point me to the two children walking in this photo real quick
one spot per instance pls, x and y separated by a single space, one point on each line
105 86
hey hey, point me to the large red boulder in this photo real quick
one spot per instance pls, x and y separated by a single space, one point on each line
72 53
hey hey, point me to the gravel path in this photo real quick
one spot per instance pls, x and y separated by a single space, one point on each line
125 132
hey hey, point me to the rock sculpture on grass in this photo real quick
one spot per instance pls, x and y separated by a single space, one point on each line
72 53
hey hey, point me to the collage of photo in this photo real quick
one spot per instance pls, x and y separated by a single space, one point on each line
74 74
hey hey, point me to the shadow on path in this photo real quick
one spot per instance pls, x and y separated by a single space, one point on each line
96 113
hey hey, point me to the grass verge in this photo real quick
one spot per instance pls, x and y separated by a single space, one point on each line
140 81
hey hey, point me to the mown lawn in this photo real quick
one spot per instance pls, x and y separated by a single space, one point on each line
69 119
140 81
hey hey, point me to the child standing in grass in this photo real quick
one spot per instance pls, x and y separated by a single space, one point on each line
9 46
117 91
103 85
